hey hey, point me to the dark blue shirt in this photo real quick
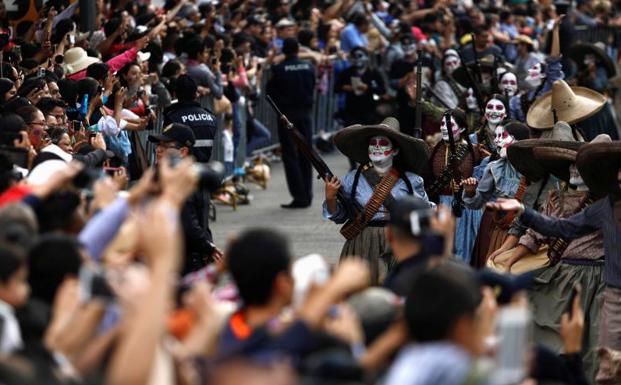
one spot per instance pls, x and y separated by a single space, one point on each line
292 85
200 120
598 216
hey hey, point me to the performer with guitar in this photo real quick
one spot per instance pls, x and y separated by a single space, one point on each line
389 165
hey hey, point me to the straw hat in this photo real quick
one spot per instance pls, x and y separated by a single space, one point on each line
521 154
353 141
578 51
77 60
572 105
598 163
523 39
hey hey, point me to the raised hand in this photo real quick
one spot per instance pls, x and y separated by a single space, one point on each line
470 186
507 205
332 187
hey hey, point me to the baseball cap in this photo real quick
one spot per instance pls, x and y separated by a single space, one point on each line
175 132
410 214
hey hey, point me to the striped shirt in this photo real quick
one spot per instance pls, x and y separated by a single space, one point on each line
598 216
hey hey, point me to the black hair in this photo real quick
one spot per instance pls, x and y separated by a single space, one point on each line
123 72
68 89
27 113
47 105
437 299
171 68
56 134
87 86
51 260
98 71
498 97
29 85
255 260
5 85
56 213
11 260
359 20
194 47
305 37
518 130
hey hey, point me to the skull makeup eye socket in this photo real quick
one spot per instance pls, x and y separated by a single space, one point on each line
489 107
384 142
500 107
505 134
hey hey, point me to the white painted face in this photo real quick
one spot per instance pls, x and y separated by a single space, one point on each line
381 149
471 100
535 76
451 63
503 140
589 59
495 111
454 128
576 180
509 85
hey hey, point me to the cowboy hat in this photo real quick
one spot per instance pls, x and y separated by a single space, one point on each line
77 60
521 154
524 39
353 142
578 51
598 163
556 158
572 105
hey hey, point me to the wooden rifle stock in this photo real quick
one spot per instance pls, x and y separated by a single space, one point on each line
352 208
453 163
418 121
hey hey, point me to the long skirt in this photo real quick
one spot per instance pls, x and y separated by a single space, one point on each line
466 229
549 296
489 239
371 245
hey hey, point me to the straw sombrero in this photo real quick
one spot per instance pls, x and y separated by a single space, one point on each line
572 105
598 163
521 154
353 142
578 51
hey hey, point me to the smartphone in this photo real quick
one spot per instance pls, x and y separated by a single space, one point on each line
111 171
514 332
93 284
76 125
41 72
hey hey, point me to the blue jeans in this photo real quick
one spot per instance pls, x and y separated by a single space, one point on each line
261 137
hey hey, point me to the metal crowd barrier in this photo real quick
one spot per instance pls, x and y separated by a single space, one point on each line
324 108
605 34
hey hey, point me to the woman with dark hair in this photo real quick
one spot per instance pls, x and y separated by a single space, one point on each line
34 89
7 90
500 180
37 126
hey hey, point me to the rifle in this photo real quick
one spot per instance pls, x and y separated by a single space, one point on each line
495 85
418 121
475 86
352 208
453 164
477 66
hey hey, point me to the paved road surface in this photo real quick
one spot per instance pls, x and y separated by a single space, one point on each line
306 228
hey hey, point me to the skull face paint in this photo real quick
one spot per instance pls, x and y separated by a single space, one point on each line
503 140
508 84
575 179
380 149
454 128
359 59
535 76
451 63
495 111
471 100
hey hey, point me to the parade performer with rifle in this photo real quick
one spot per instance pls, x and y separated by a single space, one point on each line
390 162
453 159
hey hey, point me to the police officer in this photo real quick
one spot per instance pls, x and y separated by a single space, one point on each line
178 139
291 86
188 111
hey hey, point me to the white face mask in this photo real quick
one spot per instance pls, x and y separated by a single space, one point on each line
503 140
451 64
495 111
471 100
381 151
575 179
445 133
509 85
535 76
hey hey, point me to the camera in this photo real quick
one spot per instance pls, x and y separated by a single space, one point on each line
210 174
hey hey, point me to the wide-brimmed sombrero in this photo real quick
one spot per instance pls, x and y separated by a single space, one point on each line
486 64
572 105
353 141
556 158
521 154
598 163
578 51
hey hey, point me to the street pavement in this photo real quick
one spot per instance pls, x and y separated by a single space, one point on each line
306 229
